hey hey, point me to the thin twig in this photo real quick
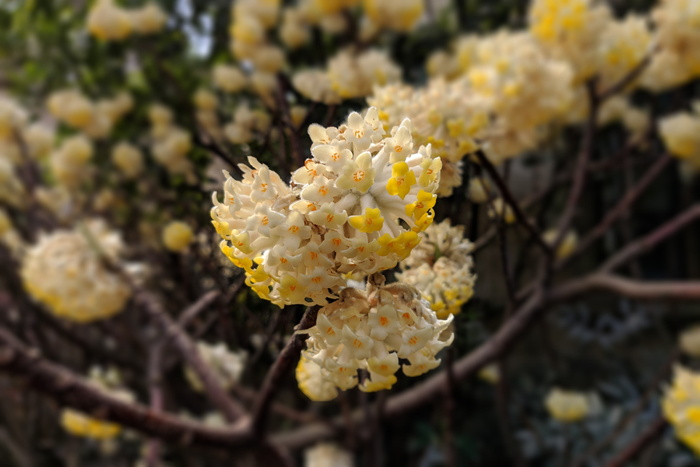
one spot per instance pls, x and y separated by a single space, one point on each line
284 363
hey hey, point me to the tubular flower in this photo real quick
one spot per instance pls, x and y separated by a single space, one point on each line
680 406
108 21
441 268
65 272
338 217
227 365
371 331
80 424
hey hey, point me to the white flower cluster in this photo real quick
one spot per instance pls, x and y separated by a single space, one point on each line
170 143
327 455
371 331
680 406
95 119
226 365
441 268
108 21
348 75
355 207
65 272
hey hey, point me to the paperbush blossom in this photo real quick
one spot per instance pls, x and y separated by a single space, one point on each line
678 37
110 22
226 365
440 267
65 272
568 243
680 133
680 406
371 330
356 207
170 144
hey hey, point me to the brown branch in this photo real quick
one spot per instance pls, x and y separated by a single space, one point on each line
647 242
230 408
637 289
73 391
655 429
510 199
581 169
284 363
624 204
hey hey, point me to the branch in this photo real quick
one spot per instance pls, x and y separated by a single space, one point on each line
624 204
647 242
654 430
637 289
581 170
285 361
230 408
508 196
73 391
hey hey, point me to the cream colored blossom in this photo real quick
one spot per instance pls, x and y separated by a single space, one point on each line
327 454
294 31
441 268
315 84
65 272
568 406
571 30
354 74
680 406
371 330
313 382
229 78
390 14
148 19
678 39
70 162
128 159
479 190
13 118
490 373
11 188
681 135
39 139
623 45
355 207
108 21
226 365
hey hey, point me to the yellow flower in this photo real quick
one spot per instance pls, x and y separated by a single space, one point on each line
401 180
371 221
567 406
177 236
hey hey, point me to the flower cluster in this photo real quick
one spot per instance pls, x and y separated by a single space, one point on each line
170 143
441 268
678 36
348 75
371 330
355 207
80 424
95 119
226 365
64 271
689 341
680 406
681 135
108 21
177 236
